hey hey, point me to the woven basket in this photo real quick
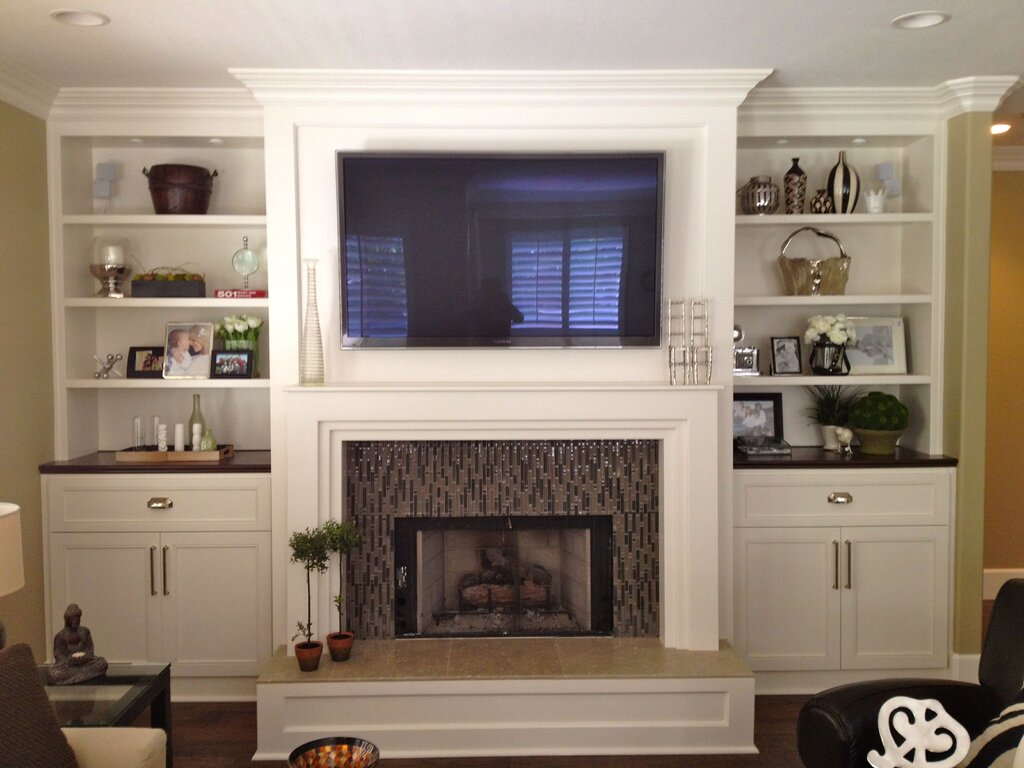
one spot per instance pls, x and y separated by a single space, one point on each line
814 277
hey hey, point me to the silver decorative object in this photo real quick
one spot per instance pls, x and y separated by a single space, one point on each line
311 354
107 366
689 346
759 196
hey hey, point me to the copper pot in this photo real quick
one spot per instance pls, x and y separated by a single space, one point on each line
180 189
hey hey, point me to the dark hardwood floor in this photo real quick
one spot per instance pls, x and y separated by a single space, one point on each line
223 735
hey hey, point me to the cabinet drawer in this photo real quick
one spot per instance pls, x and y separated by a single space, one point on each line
157 502
848 497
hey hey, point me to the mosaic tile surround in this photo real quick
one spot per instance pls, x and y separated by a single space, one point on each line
385 480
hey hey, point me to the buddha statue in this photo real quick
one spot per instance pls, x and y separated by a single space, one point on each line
74 658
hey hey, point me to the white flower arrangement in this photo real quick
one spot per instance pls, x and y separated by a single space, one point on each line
239 328
834 328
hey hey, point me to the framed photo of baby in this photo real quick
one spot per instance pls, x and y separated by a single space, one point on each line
188 350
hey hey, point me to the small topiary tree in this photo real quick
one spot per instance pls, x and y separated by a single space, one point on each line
309 548
879 411
342 537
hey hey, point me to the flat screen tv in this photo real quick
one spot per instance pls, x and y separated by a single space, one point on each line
500 250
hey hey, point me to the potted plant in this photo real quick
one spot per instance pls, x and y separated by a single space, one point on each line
309 548
342 537
830 408
878 419
828 336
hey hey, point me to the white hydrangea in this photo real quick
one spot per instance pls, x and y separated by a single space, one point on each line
836 328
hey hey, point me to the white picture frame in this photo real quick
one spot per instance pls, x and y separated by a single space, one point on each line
188 349
880 346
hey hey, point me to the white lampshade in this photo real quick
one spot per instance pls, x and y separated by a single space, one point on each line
12 567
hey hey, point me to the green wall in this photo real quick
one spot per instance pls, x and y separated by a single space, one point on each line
26 386
968 213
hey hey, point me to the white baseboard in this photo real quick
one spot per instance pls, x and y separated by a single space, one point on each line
994 578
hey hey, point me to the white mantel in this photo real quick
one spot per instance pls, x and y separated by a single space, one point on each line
682 419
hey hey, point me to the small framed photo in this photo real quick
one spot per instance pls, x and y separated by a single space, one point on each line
232 364
145 363
188 351
757 414
881 345
785 355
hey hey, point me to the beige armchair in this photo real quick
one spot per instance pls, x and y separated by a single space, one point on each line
118 747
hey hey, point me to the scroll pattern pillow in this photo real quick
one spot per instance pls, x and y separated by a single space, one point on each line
999 744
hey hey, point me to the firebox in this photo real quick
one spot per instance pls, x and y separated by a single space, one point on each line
503 576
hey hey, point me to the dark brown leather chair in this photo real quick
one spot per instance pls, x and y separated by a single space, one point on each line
838 727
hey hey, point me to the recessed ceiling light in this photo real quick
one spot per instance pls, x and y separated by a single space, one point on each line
216 141
78 17
858 141
782 142
920 19
136 140
1000 128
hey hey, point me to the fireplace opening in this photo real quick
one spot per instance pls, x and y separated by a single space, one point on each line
503 576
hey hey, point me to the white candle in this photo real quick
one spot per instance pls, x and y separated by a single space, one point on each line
179 437
197 436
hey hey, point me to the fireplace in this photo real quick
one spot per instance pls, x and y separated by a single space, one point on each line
490 576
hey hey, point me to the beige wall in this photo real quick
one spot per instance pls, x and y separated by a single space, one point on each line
26 383
1004 545
968 210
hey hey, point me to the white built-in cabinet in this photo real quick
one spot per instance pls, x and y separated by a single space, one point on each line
166 567
896 268
843 569
96 414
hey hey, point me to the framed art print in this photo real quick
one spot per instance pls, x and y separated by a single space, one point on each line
880 346
188 350
145 363
785 355
757 414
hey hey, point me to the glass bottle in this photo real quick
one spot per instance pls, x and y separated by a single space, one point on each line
196 418
311 353
796 187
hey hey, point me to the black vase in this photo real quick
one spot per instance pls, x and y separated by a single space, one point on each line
843 186
796 188
828 359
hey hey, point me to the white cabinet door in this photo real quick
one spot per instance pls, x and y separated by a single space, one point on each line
216 602
788 597
114 578
896 608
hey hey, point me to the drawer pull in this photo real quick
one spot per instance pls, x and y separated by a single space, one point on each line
152 571
160 502
164 557
840 497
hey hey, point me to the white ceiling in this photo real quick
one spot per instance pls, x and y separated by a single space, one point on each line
193 43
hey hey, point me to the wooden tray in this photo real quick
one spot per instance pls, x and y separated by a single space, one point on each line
150 455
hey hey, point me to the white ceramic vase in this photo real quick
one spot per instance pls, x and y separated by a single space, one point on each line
828 438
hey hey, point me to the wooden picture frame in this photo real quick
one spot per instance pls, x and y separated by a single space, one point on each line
232 364
145 363
757 414
880 346
786 360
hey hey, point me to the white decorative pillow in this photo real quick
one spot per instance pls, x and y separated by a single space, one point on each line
999 745
917 733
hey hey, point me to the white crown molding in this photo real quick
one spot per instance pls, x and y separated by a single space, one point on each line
946 100
1008 158
697 87
155 103
975 94
22 89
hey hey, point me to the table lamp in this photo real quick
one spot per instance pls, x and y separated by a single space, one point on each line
12 568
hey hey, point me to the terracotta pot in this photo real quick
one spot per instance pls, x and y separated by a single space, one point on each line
308 655
878 442
339 644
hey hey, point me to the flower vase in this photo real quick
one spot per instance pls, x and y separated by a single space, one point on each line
829 440
821 202
311 354
829 359
843 186
796 188
249 345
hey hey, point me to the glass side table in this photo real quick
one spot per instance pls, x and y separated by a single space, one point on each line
116 699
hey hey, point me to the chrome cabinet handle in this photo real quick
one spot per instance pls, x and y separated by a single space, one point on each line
152 571
835 572
849 565
164 556
840 497
160 502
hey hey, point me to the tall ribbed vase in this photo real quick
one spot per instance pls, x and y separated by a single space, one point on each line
796 188
311 354
843 186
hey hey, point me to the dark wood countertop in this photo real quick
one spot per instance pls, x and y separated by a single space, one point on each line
813 457
102 462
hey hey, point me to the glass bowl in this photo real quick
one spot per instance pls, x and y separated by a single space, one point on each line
335 752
